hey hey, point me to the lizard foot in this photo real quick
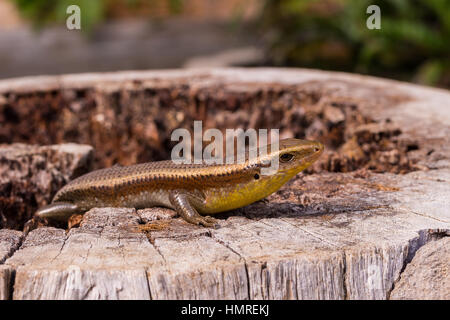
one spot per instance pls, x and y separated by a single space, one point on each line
206 221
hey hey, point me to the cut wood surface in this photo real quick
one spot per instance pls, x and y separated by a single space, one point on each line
325 235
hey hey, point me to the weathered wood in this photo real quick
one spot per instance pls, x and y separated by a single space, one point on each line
10 241
327 235
5 282
278 250
91 262
427 276
30 175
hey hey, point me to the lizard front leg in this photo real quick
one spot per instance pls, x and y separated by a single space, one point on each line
183 207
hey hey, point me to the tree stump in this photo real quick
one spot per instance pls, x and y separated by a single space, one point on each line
356 225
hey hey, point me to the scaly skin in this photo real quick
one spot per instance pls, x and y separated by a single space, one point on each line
188 189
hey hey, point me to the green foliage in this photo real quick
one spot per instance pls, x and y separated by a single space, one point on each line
412 44
44 12
176 6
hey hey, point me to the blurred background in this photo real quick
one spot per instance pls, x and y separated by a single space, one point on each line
412 44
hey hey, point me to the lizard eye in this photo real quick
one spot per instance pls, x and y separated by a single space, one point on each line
286 157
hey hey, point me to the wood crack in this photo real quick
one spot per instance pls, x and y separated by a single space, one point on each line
221 242
424 237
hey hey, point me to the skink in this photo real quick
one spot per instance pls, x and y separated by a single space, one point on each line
193 190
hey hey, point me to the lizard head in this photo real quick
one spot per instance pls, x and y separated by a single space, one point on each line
293 155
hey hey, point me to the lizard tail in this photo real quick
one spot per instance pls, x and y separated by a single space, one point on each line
58 211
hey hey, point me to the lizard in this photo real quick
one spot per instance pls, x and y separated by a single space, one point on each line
194 191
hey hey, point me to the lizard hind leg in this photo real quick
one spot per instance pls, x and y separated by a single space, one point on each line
60 211
184 208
